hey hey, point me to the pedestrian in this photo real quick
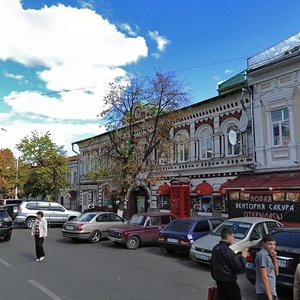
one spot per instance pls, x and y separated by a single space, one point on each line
39 231
225 265
91 205
297 283
266 270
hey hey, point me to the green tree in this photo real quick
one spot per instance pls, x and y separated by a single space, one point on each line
48 165
140 115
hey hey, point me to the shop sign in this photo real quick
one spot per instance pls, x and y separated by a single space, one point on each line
281 206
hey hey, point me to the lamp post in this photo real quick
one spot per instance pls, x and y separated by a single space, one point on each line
17 178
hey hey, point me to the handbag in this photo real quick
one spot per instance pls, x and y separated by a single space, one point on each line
212 293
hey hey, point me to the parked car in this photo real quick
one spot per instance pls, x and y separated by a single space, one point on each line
181 233
288 255
247 232
91 226
141 229
53 212
11 201
11 209
6 227
11 205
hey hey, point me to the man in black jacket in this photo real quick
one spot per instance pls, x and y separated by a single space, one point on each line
225 266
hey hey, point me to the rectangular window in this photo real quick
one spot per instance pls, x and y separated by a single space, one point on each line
280 127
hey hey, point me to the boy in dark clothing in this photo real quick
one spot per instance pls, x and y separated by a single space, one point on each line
225 266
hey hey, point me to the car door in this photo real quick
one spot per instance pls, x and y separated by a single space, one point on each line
103 223
200 229
44 207
153 226
57 213
115 220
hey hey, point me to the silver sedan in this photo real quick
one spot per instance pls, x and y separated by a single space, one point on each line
91 226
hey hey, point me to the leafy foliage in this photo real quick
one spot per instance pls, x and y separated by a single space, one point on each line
48 164
138 140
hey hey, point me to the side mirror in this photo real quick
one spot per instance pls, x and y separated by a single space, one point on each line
254 237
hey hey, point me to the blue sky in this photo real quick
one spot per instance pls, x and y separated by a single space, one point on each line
50 46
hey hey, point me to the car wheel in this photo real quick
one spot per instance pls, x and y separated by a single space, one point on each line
7 238
170 251
29 222
95 237
133 243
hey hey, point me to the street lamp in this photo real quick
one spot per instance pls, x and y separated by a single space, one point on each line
17 178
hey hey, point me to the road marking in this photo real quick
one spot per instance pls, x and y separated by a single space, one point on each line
5 263
44 290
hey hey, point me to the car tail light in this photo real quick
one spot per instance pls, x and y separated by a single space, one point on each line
184 242
161 239
250 257
79 227
19 209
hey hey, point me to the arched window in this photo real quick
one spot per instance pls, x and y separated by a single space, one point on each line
206 144
182 146
232 140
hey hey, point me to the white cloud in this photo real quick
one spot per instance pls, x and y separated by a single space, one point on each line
55 35
127 28
13 76
4 116
217 78
86 4
73 49
162 42
228 71
77 49
61 134
156 55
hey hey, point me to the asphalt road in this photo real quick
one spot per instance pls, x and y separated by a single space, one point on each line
83 271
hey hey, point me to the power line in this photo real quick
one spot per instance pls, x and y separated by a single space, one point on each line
175 71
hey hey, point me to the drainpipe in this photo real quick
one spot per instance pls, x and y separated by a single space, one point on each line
78 172
252 118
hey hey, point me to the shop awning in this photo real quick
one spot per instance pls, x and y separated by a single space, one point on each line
222 188
204 188
163 189
282 180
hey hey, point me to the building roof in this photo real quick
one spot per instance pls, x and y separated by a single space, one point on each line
234 83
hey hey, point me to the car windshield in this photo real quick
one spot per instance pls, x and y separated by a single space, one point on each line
240 229
179 226
137 220
85 217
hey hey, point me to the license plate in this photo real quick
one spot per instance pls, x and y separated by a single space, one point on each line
281 263
201 256
69 227
172 240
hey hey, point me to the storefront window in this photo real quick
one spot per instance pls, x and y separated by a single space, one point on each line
165 202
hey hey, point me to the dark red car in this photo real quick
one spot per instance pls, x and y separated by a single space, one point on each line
141 229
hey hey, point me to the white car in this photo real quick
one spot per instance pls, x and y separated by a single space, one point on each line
247 232
54 213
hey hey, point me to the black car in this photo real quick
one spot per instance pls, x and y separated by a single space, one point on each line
5 225
288 255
